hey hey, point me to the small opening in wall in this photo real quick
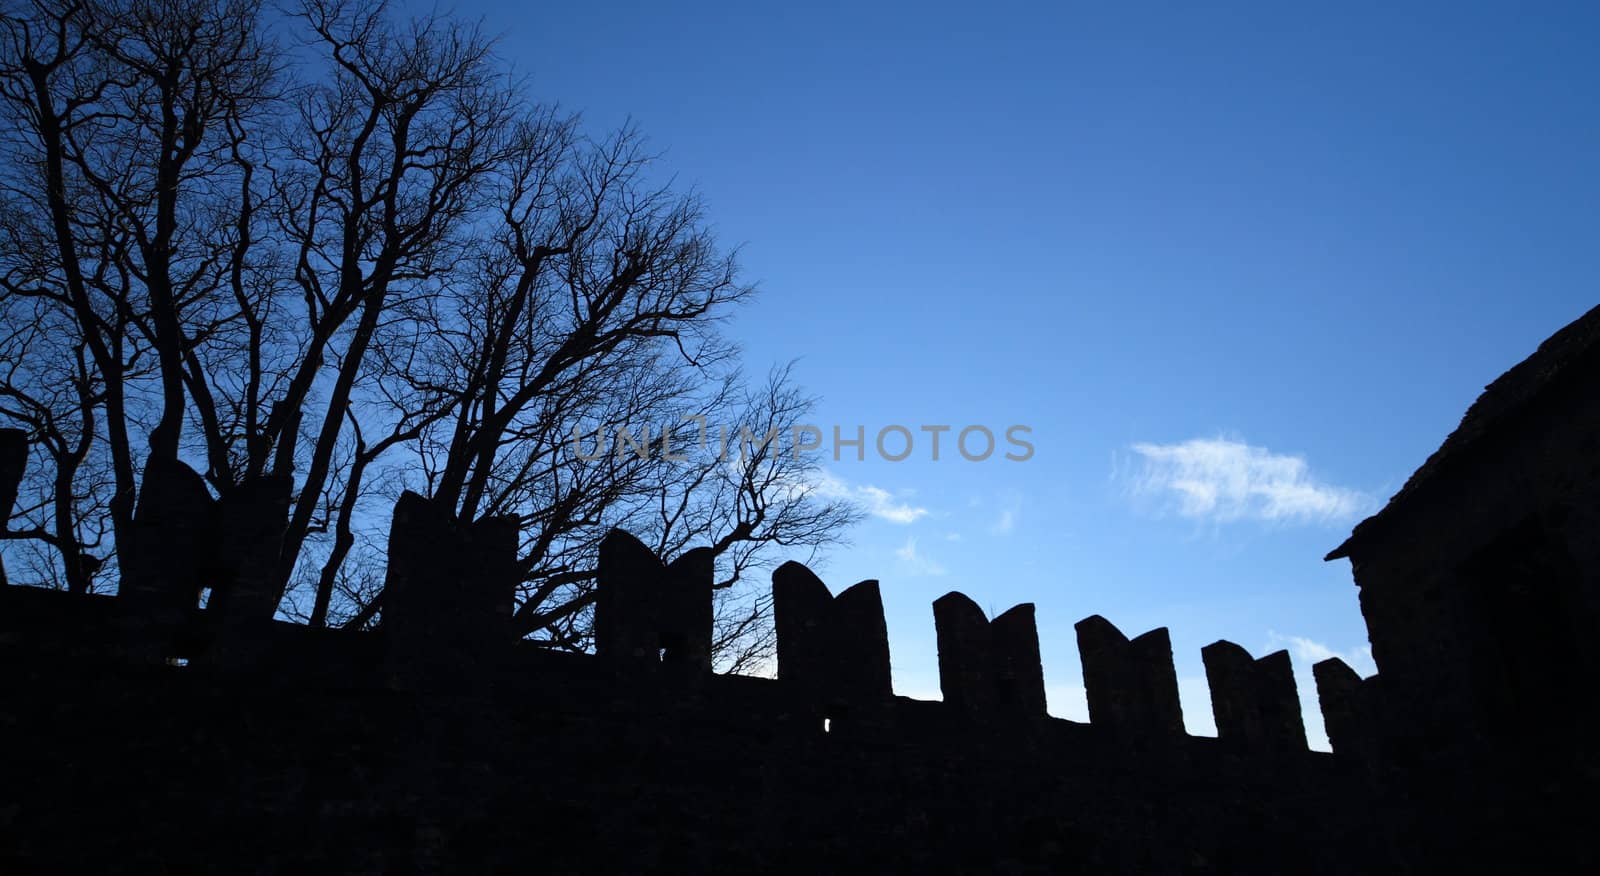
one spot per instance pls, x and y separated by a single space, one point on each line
177 661
671 648
827 725
205 597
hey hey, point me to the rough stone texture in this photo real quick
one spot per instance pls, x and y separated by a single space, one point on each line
989 668
650 610
13 462
563 763
1254 701
242 569
837 648
187 547
1130 685
251 521
963 637
1346 707
449 593
165 558
1018 669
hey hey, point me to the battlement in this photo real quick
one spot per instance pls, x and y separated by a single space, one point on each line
442 721
446 627
187 667
216 738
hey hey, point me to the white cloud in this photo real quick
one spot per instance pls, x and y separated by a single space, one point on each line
878 502
917 562
1009 514
1221 480
881 504
1004 523
1311 651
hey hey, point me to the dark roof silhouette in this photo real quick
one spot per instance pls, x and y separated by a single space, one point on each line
1565 355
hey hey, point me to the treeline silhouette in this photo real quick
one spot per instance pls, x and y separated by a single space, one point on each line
325 257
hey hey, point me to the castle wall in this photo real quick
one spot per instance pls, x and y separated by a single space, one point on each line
159 730
319 755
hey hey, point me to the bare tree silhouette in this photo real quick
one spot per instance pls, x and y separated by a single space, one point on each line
348 247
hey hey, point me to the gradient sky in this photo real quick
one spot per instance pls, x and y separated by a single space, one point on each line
1240 268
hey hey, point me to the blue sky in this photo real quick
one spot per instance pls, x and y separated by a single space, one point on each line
1265 256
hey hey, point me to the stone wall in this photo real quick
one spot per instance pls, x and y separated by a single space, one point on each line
321 759
177 727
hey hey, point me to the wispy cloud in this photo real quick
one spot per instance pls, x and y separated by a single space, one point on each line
1222 480
878 502
1312 651
1004 523
916 562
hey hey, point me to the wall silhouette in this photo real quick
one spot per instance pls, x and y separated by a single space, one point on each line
255 733
146 731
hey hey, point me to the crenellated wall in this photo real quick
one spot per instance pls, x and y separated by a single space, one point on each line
439 742
178 727
447 621
146 733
